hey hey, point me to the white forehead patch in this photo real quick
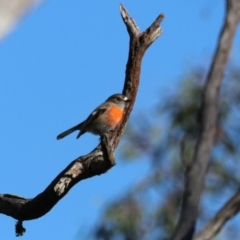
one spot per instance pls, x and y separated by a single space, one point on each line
125 99
93 113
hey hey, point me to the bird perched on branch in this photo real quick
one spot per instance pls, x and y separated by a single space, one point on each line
103 119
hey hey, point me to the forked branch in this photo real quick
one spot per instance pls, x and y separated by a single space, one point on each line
101 158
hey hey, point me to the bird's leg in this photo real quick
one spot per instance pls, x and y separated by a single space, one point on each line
19 229
107 148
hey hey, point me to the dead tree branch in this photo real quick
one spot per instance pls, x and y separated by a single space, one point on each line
101 158
195 174
230 209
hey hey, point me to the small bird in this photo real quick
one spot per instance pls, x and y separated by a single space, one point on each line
106 117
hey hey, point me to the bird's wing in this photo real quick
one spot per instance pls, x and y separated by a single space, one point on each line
96 113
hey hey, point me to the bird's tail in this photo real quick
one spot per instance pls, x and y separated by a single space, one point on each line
67 132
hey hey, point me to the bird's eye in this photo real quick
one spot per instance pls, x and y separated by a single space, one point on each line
119 99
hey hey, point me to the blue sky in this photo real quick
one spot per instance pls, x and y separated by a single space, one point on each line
59 63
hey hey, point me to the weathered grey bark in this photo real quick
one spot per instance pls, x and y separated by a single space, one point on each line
195 174
101 158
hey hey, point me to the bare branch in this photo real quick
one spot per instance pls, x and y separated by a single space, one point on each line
230 209
131 25
195 174
101 158
139 43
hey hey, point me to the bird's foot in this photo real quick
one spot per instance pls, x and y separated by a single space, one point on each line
108 149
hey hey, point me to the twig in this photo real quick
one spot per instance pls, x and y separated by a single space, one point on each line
10 13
